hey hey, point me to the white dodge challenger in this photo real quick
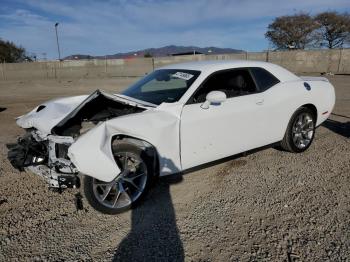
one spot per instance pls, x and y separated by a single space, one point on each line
175 118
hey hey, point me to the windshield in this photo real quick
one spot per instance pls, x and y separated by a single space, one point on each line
164 85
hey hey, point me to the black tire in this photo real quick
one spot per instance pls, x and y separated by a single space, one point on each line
287 143
88 182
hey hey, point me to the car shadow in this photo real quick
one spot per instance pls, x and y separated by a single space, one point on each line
337 127
154 235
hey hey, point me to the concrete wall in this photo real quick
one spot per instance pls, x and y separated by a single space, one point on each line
310 61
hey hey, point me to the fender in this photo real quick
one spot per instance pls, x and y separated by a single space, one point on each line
92 152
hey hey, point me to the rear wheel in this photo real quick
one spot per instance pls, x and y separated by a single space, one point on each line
300 131
128 188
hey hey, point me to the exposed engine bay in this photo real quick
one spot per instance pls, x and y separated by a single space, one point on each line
46 154
98 107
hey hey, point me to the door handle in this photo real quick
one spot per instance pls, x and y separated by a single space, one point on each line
259 102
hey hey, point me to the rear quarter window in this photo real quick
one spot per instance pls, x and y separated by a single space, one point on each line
263 78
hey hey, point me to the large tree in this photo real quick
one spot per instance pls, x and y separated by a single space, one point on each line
10 53
292 32
333 29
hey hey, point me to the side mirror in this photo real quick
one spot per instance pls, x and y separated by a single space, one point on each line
214 98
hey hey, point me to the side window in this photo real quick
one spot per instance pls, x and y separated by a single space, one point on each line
263 78
235 82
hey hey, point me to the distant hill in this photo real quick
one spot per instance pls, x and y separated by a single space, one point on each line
158 52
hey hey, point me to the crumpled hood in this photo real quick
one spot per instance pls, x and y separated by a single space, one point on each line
52 113
49 114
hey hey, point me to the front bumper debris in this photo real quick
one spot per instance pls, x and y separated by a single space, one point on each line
46 156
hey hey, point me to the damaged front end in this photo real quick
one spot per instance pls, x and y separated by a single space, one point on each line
45 156
43 150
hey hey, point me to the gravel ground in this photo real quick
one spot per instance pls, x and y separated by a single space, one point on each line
269 205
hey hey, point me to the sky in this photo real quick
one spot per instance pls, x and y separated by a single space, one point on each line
109 27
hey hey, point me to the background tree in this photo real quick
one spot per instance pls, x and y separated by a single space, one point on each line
147 54
10 53
295 31
334 29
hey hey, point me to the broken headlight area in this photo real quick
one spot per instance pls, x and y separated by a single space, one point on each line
45 156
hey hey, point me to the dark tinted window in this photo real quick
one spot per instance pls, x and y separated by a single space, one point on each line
263 78
236 82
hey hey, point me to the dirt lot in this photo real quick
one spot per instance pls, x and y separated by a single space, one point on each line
270 205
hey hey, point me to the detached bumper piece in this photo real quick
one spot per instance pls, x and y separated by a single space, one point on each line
68 181
26 152
43 156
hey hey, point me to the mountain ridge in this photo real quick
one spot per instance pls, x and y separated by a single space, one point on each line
159 52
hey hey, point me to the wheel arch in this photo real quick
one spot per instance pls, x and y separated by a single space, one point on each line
288 142
150 149
310 106
313 108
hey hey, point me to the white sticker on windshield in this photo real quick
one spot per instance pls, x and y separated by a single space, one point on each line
182 75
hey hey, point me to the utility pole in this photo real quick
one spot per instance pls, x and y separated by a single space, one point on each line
58 46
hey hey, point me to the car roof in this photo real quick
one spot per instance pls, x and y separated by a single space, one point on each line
210 66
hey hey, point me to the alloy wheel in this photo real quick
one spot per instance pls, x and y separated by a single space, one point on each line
127 187
303 130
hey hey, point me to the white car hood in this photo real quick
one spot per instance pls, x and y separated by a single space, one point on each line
54 111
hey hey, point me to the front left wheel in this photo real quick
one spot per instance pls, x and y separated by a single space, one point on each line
125 191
